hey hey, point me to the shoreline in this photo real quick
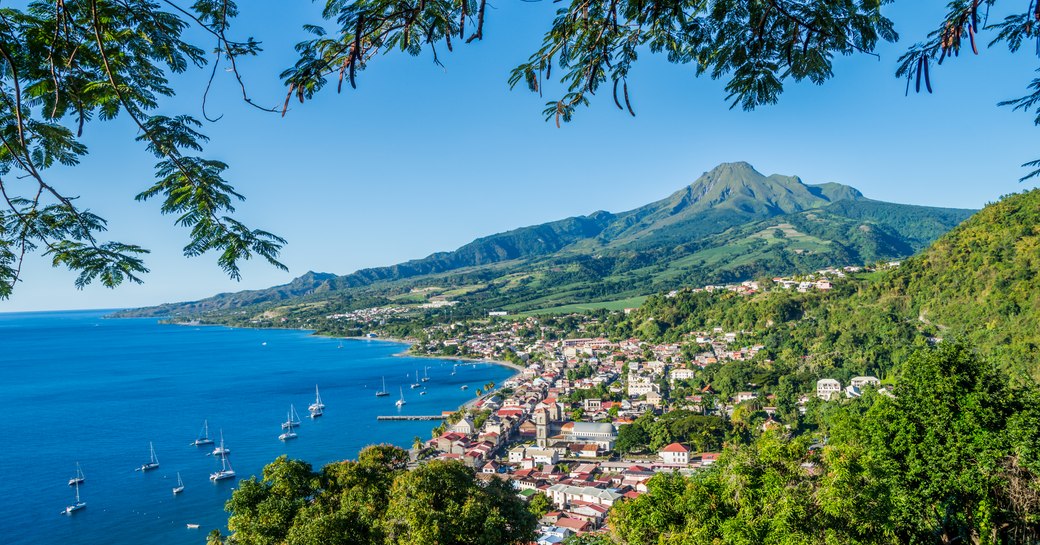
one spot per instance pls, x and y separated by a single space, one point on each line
391 340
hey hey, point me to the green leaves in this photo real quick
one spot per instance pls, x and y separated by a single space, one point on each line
375 500
64 64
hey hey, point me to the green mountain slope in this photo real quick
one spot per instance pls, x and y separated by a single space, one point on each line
978 284
981 282
732 223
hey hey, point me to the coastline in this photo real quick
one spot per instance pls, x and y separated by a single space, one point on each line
392 340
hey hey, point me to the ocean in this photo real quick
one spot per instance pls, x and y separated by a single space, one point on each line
76 387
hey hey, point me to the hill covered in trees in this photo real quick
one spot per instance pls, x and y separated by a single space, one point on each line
732 223
977 284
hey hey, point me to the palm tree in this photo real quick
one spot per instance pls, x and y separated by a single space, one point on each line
480 392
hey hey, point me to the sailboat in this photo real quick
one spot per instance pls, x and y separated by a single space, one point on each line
416 383
290 425
401 402
293 420
204 435
76 506
221 450
317 408
153 463
225 467
426 374
180 484
79 478
383 392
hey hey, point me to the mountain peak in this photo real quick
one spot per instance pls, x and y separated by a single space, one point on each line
739 186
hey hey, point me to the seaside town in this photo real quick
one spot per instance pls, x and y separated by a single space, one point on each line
587 421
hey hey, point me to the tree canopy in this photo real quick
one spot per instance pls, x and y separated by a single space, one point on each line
66 64
375 500
950 458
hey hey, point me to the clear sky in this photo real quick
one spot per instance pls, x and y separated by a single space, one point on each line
422 158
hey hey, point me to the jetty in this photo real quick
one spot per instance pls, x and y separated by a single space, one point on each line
412 417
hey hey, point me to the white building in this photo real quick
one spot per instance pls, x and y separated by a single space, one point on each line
862 382
562 495
682 374
675 454
827 388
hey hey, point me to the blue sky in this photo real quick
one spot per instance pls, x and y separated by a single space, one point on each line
422 158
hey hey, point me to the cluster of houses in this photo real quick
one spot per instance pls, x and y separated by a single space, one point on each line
370 315
529 436
544 438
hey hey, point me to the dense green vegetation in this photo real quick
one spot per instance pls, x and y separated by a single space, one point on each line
375 501
951 458
977 284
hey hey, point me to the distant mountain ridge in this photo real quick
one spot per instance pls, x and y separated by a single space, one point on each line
724 210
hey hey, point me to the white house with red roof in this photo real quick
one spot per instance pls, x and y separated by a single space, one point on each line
675 454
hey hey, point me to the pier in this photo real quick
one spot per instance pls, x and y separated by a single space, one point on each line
411 417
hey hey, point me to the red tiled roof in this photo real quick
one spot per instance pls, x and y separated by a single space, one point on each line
572 524
675 447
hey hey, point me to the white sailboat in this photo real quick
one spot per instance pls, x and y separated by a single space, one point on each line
203 438
317 408
226 472
221 450
401 402
416 383
288 424
180 484
79 478
293 420
76 506
153 463
383 392
426 374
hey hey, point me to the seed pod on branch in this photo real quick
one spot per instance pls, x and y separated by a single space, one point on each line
927 79
920 69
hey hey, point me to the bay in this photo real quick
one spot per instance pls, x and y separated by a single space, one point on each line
77 387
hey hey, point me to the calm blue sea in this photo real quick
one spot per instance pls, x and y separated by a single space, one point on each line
77 387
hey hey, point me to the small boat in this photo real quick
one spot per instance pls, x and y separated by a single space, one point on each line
76 506
153 463
383 392
221 450
401 402
180 484
203 438
422 393
193 526
464 387
226 472
426 374
79 478
293 420
317 408
416 384
288 424
340 345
